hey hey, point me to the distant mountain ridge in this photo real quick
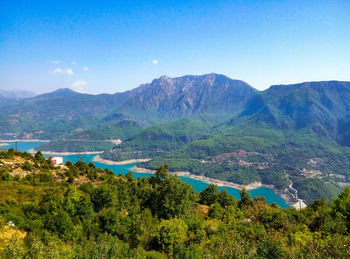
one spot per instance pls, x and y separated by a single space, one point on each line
322 105
186 95
64 110
16 94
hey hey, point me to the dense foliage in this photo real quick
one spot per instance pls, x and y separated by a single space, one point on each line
76 145
245 153
80 211
99 139
159 139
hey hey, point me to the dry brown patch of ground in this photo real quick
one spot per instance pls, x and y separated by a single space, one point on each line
203 208
7 233
81 179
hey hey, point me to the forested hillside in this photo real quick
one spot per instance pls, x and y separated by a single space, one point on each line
100 139
54 114
207 125
287 133
79 211
160 139
244 154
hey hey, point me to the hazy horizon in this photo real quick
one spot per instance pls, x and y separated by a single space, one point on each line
44 92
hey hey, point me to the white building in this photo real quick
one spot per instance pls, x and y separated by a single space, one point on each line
300 205
57 160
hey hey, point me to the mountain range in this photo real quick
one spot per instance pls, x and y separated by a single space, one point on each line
162 100
209 125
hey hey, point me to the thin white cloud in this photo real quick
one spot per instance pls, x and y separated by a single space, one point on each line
154 61
85 68
58 70
79 85
54 62
74 63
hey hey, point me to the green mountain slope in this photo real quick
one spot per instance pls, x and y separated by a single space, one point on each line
50 115
246 154
121 130
62 112
100 139
5 102
286 132
301 105
159 139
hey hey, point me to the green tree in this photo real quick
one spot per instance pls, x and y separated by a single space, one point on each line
5 175
341 204
170 235
209 195
162 172
87 187
45 176
36 249
27 166
11 153
246 200
226 199
107 195
270 249
14 249
170 196
130 176
216 211
39 158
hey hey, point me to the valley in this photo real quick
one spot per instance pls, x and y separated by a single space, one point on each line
197 182
208 126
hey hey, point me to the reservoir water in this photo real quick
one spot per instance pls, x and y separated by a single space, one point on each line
270 195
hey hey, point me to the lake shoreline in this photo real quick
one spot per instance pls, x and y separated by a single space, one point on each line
24 140
54 153
254 185
99 159
284 194
203 178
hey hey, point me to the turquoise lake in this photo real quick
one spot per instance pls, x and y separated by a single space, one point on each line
270 195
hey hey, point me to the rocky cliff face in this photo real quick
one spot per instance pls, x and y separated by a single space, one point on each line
211 93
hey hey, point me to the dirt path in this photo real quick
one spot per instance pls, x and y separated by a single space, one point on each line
293 189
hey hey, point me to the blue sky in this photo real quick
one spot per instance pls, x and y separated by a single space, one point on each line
113 46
